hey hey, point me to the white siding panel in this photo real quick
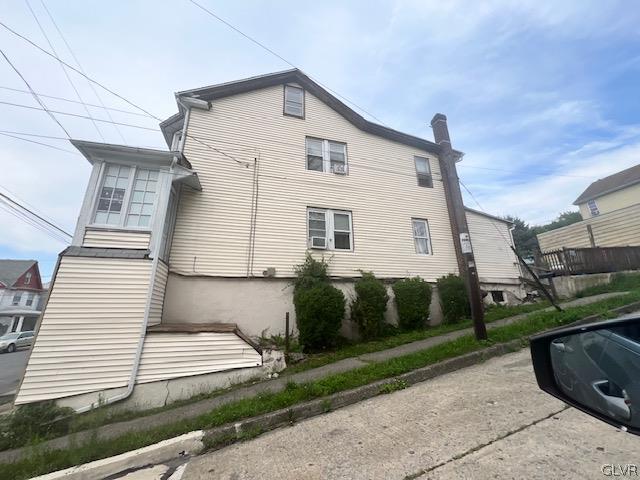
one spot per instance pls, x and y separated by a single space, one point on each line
616 229
212 230
116 239
172 355
157 297
491 242
89 334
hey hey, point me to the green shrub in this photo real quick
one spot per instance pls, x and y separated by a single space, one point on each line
368 308
413 297
33 422
319 313
311 272
453 298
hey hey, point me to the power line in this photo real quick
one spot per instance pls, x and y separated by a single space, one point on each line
2 24
251 39
6 197
44 107
77 102
20 105
27 203
82 69
7 207
64 70
40 143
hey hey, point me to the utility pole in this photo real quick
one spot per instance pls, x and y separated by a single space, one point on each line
458 220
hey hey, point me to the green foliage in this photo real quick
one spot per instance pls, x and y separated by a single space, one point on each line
524 235
413 297
453 298
368 308
311 272
319 314
33 422
393 386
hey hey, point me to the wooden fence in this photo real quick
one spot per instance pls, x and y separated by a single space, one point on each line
576 261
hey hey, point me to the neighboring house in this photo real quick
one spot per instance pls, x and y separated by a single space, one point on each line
180 257
610 209
21 295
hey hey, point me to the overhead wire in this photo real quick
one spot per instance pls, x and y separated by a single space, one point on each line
40 143
16 212
23 201
33 214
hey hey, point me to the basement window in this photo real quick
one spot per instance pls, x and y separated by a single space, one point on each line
293 101
329 229
423 172
497 296
421 237
326 156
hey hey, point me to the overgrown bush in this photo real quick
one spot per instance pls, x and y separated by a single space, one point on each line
33 422
453 298
413 297
319 306
367 310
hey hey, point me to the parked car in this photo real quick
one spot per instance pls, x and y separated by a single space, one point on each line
12 341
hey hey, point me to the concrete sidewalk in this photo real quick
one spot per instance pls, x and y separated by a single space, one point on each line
274 385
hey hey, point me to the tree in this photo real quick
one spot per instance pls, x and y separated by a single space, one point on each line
524 235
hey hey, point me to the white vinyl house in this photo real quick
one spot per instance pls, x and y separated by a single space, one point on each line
180 258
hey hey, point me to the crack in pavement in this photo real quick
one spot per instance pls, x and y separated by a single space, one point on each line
483 445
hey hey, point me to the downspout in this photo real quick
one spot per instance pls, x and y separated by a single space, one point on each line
154 269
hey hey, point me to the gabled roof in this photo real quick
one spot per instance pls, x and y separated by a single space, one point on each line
12 270
212 92
609 184
499 219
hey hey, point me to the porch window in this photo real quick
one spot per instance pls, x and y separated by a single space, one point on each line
114 187
329 229
142 198
423 172
421 237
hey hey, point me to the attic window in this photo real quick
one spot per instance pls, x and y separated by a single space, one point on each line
27 278
293 101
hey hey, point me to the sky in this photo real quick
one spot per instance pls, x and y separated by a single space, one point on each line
541 96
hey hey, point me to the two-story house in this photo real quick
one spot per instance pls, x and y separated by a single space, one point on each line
180 257
610 209
20 295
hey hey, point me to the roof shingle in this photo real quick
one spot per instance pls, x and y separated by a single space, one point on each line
614 182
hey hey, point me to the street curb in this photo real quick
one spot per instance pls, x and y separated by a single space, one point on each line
182 446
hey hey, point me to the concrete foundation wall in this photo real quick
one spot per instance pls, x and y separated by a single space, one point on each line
568 286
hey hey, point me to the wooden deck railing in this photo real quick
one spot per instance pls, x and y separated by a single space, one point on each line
576 261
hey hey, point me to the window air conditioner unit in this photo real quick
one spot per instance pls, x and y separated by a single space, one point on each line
339 169
319 242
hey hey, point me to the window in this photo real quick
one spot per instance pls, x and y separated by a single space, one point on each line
326 156
16 299
423 171
593 208
497 296
142 198
114 186
329 229
127 197
27 278
421 236
293 101
30 297
175 141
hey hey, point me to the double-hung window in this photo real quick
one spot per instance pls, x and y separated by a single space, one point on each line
423 172
326 156
421 237
16 299
329 229
593 208
293 101
30 297
126 197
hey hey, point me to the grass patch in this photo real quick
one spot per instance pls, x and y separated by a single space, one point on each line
44 461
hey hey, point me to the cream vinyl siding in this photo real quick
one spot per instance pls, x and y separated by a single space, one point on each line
212 228
90 330
116 239
613 201
491 240
616 229
157 296
173 355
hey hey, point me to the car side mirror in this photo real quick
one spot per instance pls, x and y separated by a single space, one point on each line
594 368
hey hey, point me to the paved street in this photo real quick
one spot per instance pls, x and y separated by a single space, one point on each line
12 367
487 421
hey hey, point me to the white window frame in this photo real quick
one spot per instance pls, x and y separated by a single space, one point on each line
15 303
594 211
284 101
427 238
420 175
27 278
330 231
31 296
126 201
326 155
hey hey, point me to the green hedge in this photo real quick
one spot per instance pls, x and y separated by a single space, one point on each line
319 314
413 297
368 308
453 298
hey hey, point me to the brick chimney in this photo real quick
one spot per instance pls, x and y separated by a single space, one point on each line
440 130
